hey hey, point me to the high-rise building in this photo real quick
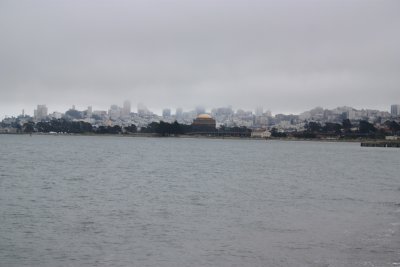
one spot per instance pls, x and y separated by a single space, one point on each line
395 110
179 114
166 113
261 121
259 111
89 111
40 112
114 112
126 108
351 114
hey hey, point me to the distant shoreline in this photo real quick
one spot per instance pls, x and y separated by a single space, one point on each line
363 142
150 135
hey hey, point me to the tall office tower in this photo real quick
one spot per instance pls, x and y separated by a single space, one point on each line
351 114
178 113
126 108
259 111
166 113
40 112
114 112
395 110
89 111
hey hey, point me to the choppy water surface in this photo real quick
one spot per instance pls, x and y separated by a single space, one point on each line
110 201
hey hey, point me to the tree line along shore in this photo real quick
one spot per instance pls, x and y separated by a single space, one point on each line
312 130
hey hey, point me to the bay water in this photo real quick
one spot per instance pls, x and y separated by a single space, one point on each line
122 201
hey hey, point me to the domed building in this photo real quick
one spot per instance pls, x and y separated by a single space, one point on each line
204 123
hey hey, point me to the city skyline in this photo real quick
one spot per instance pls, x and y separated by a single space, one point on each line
127 105
123 117
7 111
288 55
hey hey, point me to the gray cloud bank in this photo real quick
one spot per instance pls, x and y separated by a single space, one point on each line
287 56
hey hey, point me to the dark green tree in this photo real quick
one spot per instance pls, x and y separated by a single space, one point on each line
332 128
28 127
346 124
177 128
276 133
366 128
393 126
313 127
131 129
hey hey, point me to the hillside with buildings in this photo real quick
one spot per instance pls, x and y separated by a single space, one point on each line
317 122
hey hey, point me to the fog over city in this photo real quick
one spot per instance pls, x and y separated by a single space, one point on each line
287 56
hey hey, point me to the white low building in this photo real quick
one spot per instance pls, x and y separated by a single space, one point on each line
260 134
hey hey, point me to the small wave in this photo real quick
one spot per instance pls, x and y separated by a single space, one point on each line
389 204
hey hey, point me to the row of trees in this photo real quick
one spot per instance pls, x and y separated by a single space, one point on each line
68 126
312 129
78 127
64 126
344 130
161 128
166 129
363 127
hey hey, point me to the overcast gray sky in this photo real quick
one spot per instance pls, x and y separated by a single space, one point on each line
287 56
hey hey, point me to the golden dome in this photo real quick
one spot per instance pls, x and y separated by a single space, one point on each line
204 116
